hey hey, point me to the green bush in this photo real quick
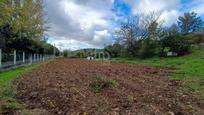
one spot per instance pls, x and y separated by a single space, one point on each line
177 43
65 53
115 50
147 49
99 83
80 55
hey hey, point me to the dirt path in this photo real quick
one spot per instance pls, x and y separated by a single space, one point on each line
63 87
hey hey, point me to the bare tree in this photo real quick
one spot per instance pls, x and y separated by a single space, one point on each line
136 29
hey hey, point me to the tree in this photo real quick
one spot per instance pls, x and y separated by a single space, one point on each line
173 41
190 22
114 50
127 34
65 53
22 26
139 35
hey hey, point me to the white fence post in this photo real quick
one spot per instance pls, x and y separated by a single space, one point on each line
14 57
31 59
23 57
0 58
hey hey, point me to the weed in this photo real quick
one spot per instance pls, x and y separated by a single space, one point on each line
12 105
99 83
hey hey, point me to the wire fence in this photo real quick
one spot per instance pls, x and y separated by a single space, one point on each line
17 59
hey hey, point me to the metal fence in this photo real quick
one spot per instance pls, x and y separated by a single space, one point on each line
16 59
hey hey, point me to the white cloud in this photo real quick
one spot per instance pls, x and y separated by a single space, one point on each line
102 37
70 44
169 9
146 6
197 6
78 20
86 16
170 17
89 23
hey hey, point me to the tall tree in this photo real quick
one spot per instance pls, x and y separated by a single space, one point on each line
22 26
190 22
139 32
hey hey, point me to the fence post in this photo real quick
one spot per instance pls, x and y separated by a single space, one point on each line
0 58
14 57
31 59
23 57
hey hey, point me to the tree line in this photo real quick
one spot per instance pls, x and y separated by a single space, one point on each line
22 27
145 36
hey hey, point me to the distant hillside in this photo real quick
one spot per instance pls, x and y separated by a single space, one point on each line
87 50
84 52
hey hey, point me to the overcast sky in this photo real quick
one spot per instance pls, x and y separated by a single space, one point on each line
76 24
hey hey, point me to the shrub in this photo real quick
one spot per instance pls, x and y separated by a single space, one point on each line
65 53
177 43
147 49
99 83
114 50
80 55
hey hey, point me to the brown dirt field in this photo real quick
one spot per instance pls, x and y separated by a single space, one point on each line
62 87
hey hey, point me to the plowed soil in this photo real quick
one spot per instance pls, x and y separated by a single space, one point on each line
62 87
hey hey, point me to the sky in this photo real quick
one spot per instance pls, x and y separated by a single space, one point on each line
77 24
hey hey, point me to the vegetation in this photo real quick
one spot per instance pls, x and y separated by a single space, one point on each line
65 53
7 89
161 45
22 26
145 37
100 82
188 68
82 53
190 23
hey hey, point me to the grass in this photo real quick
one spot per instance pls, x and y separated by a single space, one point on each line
189 68
7 89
